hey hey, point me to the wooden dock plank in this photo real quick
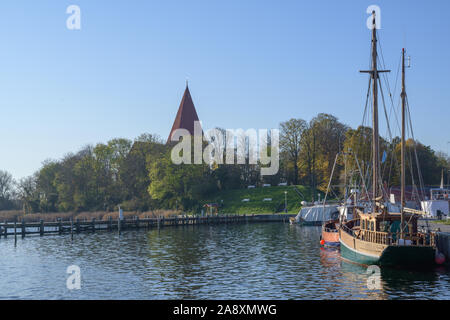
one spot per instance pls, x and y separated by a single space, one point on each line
69 227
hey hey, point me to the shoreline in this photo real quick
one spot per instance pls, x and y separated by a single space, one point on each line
435 225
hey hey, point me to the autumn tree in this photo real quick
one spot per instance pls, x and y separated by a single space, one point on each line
322 140
290 143
6 190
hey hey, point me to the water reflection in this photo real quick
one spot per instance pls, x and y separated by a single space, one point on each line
246 261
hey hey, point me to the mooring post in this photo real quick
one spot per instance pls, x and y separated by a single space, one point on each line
77 226
15 232
60 230
6 228
109 223
120 221
93 224
23 228
137 222
41 228
71 229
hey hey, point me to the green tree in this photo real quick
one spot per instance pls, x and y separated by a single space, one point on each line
321 142
134 172
429 164
46 186
183 185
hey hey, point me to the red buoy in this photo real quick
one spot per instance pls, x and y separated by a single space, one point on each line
440 258
322 242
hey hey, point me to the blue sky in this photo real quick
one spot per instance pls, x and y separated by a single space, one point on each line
250 64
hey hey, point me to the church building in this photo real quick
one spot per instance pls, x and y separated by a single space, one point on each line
186 115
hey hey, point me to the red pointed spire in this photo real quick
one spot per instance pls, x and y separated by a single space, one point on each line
186 114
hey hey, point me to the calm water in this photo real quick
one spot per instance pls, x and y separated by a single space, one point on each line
253 261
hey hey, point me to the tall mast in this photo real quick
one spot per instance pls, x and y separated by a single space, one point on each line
375 133
375 138
403 96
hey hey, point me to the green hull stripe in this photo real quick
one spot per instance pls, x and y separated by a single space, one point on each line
406 256
357 257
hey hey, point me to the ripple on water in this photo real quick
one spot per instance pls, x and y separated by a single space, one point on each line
249 261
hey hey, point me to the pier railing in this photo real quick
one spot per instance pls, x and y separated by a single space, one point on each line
23 228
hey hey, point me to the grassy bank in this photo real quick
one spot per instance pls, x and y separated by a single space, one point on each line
233 200
446 222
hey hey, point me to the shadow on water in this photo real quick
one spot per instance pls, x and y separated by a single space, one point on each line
415 284
403 283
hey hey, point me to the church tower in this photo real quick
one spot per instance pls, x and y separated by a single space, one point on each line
186 115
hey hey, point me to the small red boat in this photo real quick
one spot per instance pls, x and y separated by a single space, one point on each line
330 234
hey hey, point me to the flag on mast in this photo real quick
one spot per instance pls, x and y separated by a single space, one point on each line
384 156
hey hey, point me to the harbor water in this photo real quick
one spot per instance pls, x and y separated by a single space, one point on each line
234 261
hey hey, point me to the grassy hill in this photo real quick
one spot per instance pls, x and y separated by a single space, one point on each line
232 200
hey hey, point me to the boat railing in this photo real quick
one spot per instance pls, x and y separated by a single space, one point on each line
330 230
348 230
376 237
326 227
386 238
415 239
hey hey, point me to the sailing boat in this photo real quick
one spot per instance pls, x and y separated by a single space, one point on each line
379 236
330 229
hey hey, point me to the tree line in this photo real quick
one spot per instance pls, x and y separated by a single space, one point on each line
140 176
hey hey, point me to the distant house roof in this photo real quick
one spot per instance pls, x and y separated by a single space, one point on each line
186 115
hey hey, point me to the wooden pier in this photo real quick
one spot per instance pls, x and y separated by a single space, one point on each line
77 226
